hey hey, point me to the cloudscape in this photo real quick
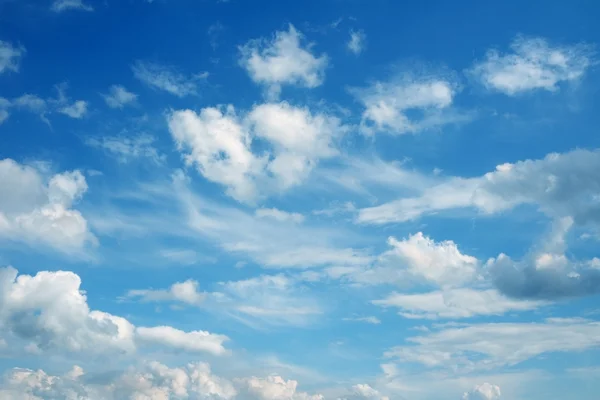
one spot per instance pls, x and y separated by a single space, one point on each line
299 200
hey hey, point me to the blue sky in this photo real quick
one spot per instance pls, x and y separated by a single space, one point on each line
293 200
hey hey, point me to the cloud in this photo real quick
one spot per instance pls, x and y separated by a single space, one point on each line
495 345
275 388
547 272
533 65
269 299
119 97
65 5
152 380
408 104
272 299
127 149
50 312
185 292
166 78
455 303
38 209
357 42
219 143
10 56
485 391
194 341
364 391
283 61
560 185
279 215
369 320
76 110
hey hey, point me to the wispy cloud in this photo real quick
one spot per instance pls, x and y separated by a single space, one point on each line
167 78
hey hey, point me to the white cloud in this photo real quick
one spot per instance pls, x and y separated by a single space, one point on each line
283 61
152 380
194 341
455 303
485 391
365 391
439 263
76 110
495 345
408 104
534 64
369 320
128 148
219 143
560 185
279 215
119 97
275 388
10 56
49 311
185 292
275 299
357 42
38 209
65 5
166 78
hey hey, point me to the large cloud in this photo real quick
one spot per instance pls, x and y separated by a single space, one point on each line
38 209
219 143
533 64
49 312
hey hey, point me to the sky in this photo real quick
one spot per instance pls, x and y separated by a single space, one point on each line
299 200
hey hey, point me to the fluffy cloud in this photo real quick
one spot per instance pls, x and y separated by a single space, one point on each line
219 143
455 303
152 381
547 272
407 104
534 64
357 42
10 56
65 5
494 345
119 97
283 61
275 388
128 148
166 78
38 209
485 391
561 185
50 312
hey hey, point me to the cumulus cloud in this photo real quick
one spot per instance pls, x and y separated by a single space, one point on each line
533 64
408 104
39 209
166 78
485 391
357 42
283 61
128 148
365 391
119 97
66 5
49 311
219 142
10 56
153 380
275 388
560 185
